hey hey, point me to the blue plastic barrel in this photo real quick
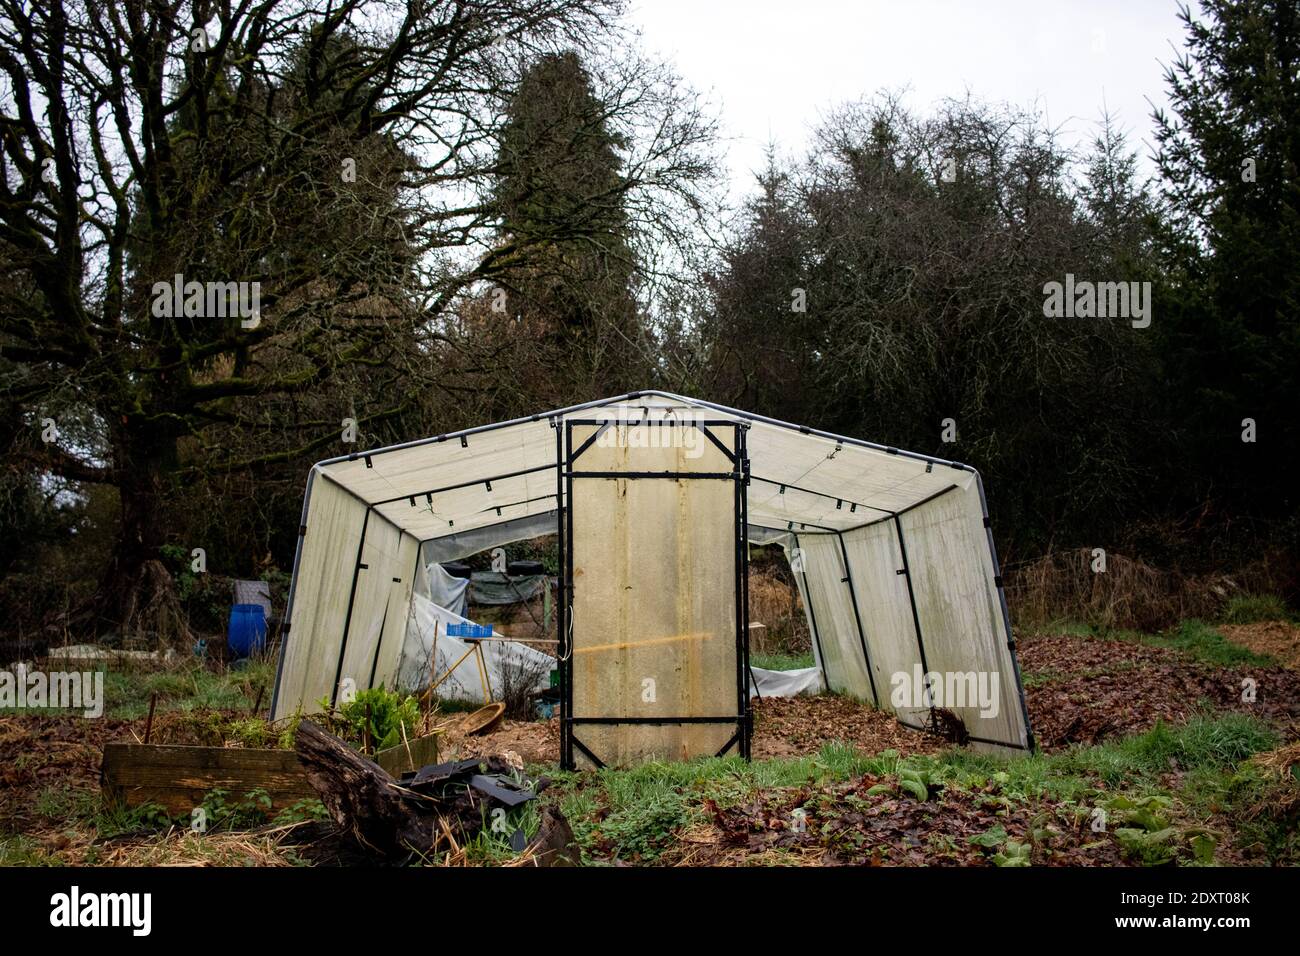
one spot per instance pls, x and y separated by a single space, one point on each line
247 632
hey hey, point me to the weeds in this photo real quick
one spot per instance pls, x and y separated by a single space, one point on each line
1253 608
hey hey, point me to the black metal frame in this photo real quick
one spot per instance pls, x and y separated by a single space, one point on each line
566 455
857 618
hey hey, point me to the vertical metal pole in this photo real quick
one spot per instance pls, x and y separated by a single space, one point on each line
739 595
742 463
1006 613
561 617
738 672
862 636
568 591
347 623
916 618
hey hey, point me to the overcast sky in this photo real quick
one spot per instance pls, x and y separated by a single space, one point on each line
773 67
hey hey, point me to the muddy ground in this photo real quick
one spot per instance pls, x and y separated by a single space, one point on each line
1080 691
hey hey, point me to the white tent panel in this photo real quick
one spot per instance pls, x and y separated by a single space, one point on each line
960 612
401 587
321 586
461 509
418 468
374 585
875 561
832 610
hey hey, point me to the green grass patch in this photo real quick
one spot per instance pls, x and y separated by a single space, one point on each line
192 685
19 850
637 809
1203 642
782 662
1193 637
1252 608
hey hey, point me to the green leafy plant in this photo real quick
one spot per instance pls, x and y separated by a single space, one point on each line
309 809
992 837
377 717
916 782
223 814
1149 835
1013 853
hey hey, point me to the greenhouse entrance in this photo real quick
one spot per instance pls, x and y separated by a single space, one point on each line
654 658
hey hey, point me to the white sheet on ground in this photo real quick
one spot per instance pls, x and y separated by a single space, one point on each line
805 680
507 661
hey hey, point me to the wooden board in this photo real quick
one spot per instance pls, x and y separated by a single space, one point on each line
396 760
177 778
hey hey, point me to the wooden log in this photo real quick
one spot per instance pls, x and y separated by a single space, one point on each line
178 778
362 797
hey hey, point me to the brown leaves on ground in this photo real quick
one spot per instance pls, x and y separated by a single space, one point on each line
39 751
783 727
1065 654
1097 689
799 726
844 825
534 741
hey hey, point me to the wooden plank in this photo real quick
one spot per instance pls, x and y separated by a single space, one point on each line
178 778
424 751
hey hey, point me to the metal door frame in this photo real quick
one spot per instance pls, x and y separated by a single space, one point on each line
566 456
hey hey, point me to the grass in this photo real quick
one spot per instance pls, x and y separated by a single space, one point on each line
782 662
634 815
1203 642
1252 608
19 850
190 685
1196 638
1199 772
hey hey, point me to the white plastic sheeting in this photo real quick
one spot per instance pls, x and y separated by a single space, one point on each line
850 507
447 590
508 662
803 680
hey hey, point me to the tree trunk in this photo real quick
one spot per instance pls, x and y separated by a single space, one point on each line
137 595
363 798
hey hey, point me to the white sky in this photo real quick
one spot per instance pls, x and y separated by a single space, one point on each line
773 67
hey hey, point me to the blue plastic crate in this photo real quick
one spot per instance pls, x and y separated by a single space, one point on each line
471 631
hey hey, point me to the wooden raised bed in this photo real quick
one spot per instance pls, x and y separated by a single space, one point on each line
177 778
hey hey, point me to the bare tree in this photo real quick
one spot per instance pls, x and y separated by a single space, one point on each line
323 160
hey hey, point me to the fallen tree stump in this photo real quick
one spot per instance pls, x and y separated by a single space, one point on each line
363 799
440 807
